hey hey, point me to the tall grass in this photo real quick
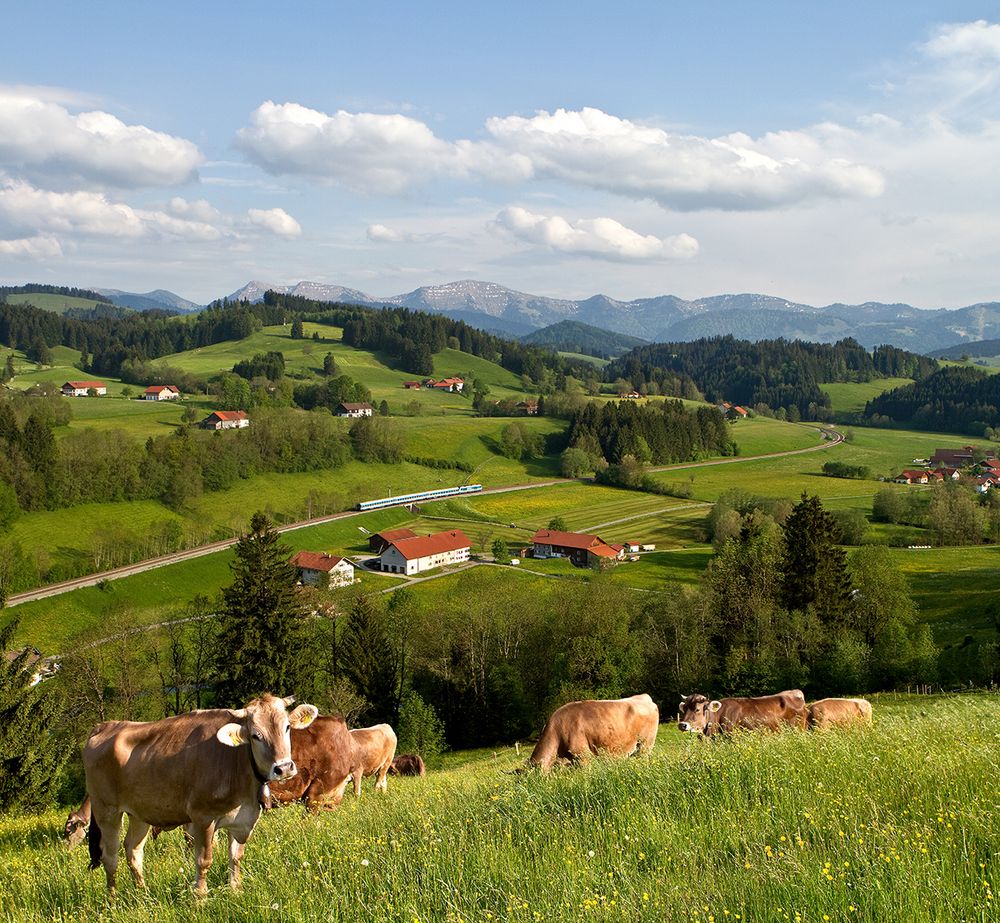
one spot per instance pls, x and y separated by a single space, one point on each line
894 824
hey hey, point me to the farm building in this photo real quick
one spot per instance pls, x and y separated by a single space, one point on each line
381 540
960 458
83 388
34 663
630 396
446 384
316 567
363 409
580 548
411 385
161 393
529 407
423 552
226 419
911 476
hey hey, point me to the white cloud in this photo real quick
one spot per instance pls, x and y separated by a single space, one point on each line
379 233
600 237
979 41
199 209
275 220
600 151
45 141
35 248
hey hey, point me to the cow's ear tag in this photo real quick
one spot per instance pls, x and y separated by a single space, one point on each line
714 705
232 734
302 716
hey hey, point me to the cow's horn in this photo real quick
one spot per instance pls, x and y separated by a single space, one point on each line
288 700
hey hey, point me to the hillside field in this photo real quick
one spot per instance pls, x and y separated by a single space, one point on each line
896 823
57 304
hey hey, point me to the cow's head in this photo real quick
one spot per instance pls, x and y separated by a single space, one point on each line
266 724
696 713
75 829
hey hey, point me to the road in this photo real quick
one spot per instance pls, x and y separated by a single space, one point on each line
830 438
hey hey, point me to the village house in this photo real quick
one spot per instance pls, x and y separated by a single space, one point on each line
226 419
446 384
316 568
363 409
630 396
582 549
161 393
381 540
733 411
529 407
83 388
423 552
960 458
411 385
911 476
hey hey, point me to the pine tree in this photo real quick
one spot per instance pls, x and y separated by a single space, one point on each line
262 626
297 332
31 759
814 571
366 657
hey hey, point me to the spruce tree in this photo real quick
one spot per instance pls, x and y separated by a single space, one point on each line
366 657
814 571
297 328
31 759
262 626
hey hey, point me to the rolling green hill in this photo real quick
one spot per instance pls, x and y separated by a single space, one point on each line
572 336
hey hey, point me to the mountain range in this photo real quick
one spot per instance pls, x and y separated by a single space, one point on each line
667 318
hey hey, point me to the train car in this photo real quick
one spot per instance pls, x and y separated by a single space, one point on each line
420 496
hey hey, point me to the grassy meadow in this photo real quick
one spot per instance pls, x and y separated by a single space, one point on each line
896 823
851 396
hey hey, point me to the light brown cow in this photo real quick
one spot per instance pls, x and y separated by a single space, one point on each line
578 730
325 756
75 830
374 750
827 713
699 715
204 769
408 764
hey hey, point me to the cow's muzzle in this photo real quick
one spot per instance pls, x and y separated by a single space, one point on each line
683 726
283 770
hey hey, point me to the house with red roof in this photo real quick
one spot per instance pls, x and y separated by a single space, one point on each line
226 419
423 552
161 393
912 476
318 568
381 540
354 410
582 549
446 384
83 388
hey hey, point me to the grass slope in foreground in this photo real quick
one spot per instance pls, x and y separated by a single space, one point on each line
894 823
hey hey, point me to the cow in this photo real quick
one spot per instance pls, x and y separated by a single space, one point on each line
76 824
324 754
375 748
578 730
203 770
407 764
827 713
699 715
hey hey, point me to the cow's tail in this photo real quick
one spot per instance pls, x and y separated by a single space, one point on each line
94 842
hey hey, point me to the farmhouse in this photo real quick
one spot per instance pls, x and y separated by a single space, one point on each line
315 568
34 663
226 419
911 476
529 407
446 384
411 385
83 388
423 552
363 409
580 548
960 458
630 396
161 393
381 540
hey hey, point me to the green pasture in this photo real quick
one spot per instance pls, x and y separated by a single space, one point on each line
580 357
763 435
850 396
894 823
57 304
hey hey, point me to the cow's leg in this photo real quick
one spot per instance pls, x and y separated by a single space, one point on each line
358 776
382 783
110 824
236 847
203 835
135 841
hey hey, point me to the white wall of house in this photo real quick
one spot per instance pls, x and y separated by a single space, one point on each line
391 561
342 574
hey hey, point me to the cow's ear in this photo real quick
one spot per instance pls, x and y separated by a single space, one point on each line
232 734
714 705
303 716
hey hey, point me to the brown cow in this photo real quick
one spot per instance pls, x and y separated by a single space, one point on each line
204 769
76 824
699 715
408 764
324 753
827 713
578 730
374 750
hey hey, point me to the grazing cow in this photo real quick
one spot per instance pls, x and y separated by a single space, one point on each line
408 764
203 770
827 713
324 754
375 748
699 715
578 730
76 824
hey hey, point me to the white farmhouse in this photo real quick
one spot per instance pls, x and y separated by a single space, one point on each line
315 567
83 388
423 552
161 393
363 409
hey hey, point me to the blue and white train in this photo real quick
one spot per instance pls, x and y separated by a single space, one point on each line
421 496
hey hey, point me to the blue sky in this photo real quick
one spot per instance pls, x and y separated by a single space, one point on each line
838 152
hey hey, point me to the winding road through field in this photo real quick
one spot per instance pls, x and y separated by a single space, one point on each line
830 437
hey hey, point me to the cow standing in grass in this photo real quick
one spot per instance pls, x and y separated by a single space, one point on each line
325 756
374 749
75 831
828 713
203 770
579 730
700 715
407 764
